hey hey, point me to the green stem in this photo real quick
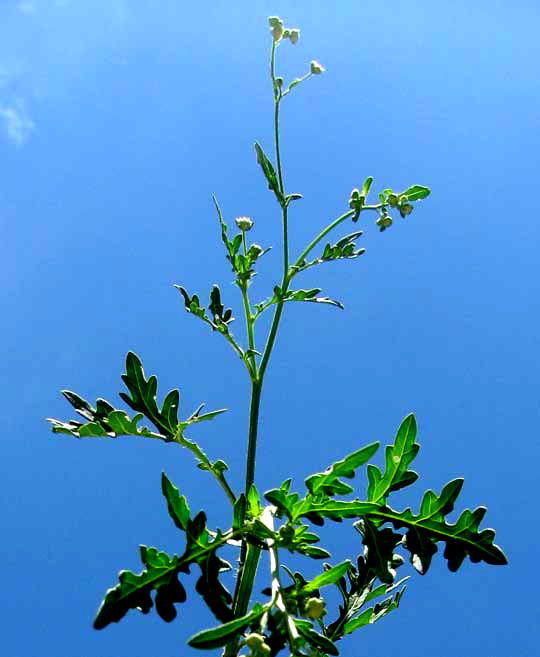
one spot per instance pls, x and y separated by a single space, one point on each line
181 440
277 100
223 483
285 281
320 236
256 388
249 557
251 337
249 319
325 232
233 343
298 81
276 138
249 554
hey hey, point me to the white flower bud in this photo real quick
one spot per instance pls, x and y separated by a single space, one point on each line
315 608
277 32
293 36
275 21
255 250
244 223
316 68
392 200
276 25
254 640
405 209
258 647
384 221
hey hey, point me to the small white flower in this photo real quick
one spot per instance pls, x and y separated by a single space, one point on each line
244 223
316 68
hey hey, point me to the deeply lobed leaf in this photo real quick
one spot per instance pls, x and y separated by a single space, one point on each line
104 420
143 397
462 538
296 295
398 458
133 591
344 249
328 482
161 571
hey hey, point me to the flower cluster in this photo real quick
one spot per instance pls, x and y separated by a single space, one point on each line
280 32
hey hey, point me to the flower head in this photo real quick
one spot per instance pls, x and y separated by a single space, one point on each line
315 608
276 27
294 34
244 223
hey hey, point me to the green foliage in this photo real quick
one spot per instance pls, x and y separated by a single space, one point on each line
105 420
417 192
294 613
221 635
328 482
219 316
428 527
143 397
361 589
309 296
269 173
313 638
398 457
133 591
161 571
331 575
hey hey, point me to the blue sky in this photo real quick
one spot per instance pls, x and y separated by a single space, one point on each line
118 120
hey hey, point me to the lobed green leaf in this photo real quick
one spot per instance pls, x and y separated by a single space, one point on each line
344 249
104 421
398 458
328 482
143 397
429 527
379 546
296 295
133 591
373 614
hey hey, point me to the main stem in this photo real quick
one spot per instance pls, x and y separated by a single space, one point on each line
249 555
256 387
257 381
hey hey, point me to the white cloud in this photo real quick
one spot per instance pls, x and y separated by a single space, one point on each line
17 123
